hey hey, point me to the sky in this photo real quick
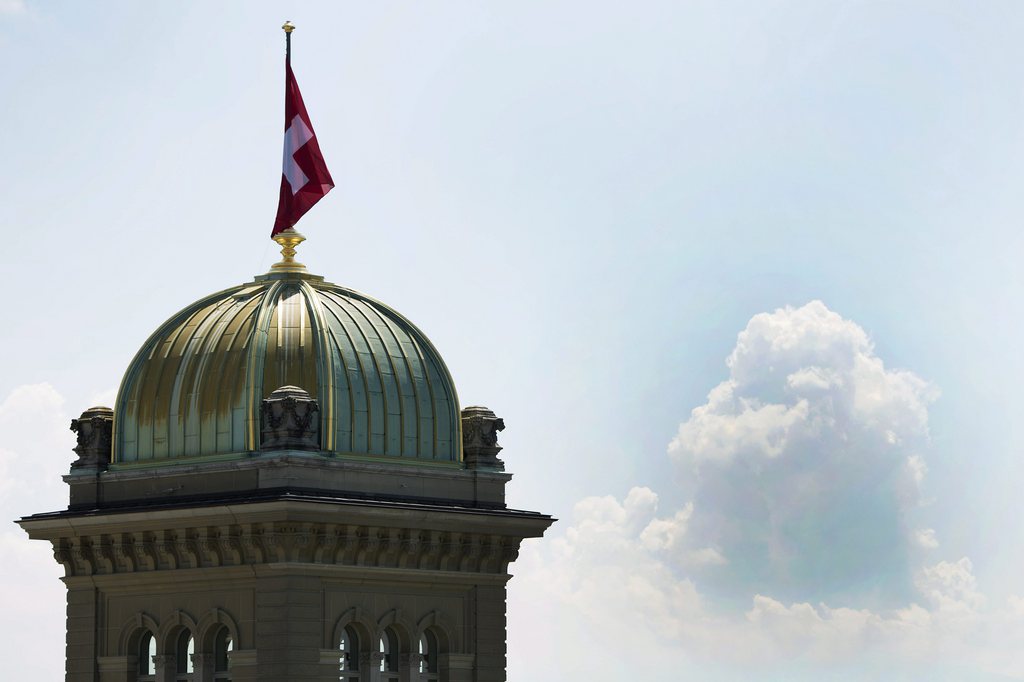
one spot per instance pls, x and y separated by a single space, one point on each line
741 278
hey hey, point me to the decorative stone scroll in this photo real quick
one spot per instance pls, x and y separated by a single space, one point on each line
94 430
290 420
480 446
273 543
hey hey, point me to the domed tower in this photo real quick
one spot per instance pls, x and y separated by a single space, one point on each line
286 489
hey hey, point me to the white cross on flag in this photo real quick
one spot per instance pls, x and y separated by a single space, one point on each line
304 178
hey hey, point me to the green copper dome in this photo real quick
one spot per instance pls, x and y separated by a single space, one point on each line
196 386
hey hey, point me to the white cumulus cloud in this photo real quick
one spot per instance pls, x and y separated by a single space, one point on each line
795 556
804 463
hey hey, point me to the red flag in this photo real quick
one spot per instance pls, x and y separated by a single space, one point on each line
305 178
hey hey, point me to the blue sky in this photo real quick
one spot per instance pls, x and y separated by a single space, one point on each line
583 205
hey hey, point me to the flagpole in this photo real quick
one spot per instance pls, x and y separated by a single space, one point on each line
288 28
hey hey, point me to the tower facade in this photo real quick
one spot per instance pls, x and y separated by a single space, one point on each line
286 489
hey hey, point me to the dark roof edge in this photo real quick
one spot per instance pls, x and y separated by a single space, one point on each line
289 494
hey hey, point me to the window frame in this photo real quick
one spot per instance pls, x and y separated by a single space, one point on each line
184 648
145 668
390 648
349 653
223 645
430 651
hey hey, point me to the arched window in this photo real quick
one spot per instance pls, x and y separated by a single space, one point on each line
348 654
222 646
429 651
389 656
147 650
183 651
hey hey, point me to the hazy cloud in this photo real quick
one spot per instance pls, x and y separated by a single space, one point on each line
613 571
12 6
36 447
925 538
104 398
795 552
36 453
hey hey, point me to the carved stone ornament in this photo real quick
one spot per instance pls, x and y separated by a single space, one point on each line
290 420
94 430
480 446
318 543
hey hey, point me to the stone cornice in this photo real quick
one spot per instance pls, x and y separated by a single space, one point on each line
127 547
288 508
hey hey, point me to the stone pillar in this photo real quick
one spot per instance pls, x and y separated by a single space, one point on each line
480 446
490 632
203 666
369 664
289 628
164 664
82 647
409 667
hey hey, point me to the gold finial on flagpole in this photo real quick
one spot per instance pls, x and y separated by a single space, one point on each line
288 28
288 239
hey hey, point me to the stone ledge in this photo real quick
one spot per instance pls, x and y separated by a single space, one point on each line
254 544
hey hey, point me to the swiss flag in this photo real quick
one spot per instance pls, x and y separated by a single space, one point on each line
304 178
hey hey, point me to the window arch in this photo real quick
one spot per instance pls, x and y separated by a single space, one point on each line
348 654
184 649
222 646
430 651
389 655
217 636
146 671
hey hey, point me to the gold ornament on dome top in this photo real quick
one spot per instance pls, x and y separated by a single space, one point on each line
288 239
